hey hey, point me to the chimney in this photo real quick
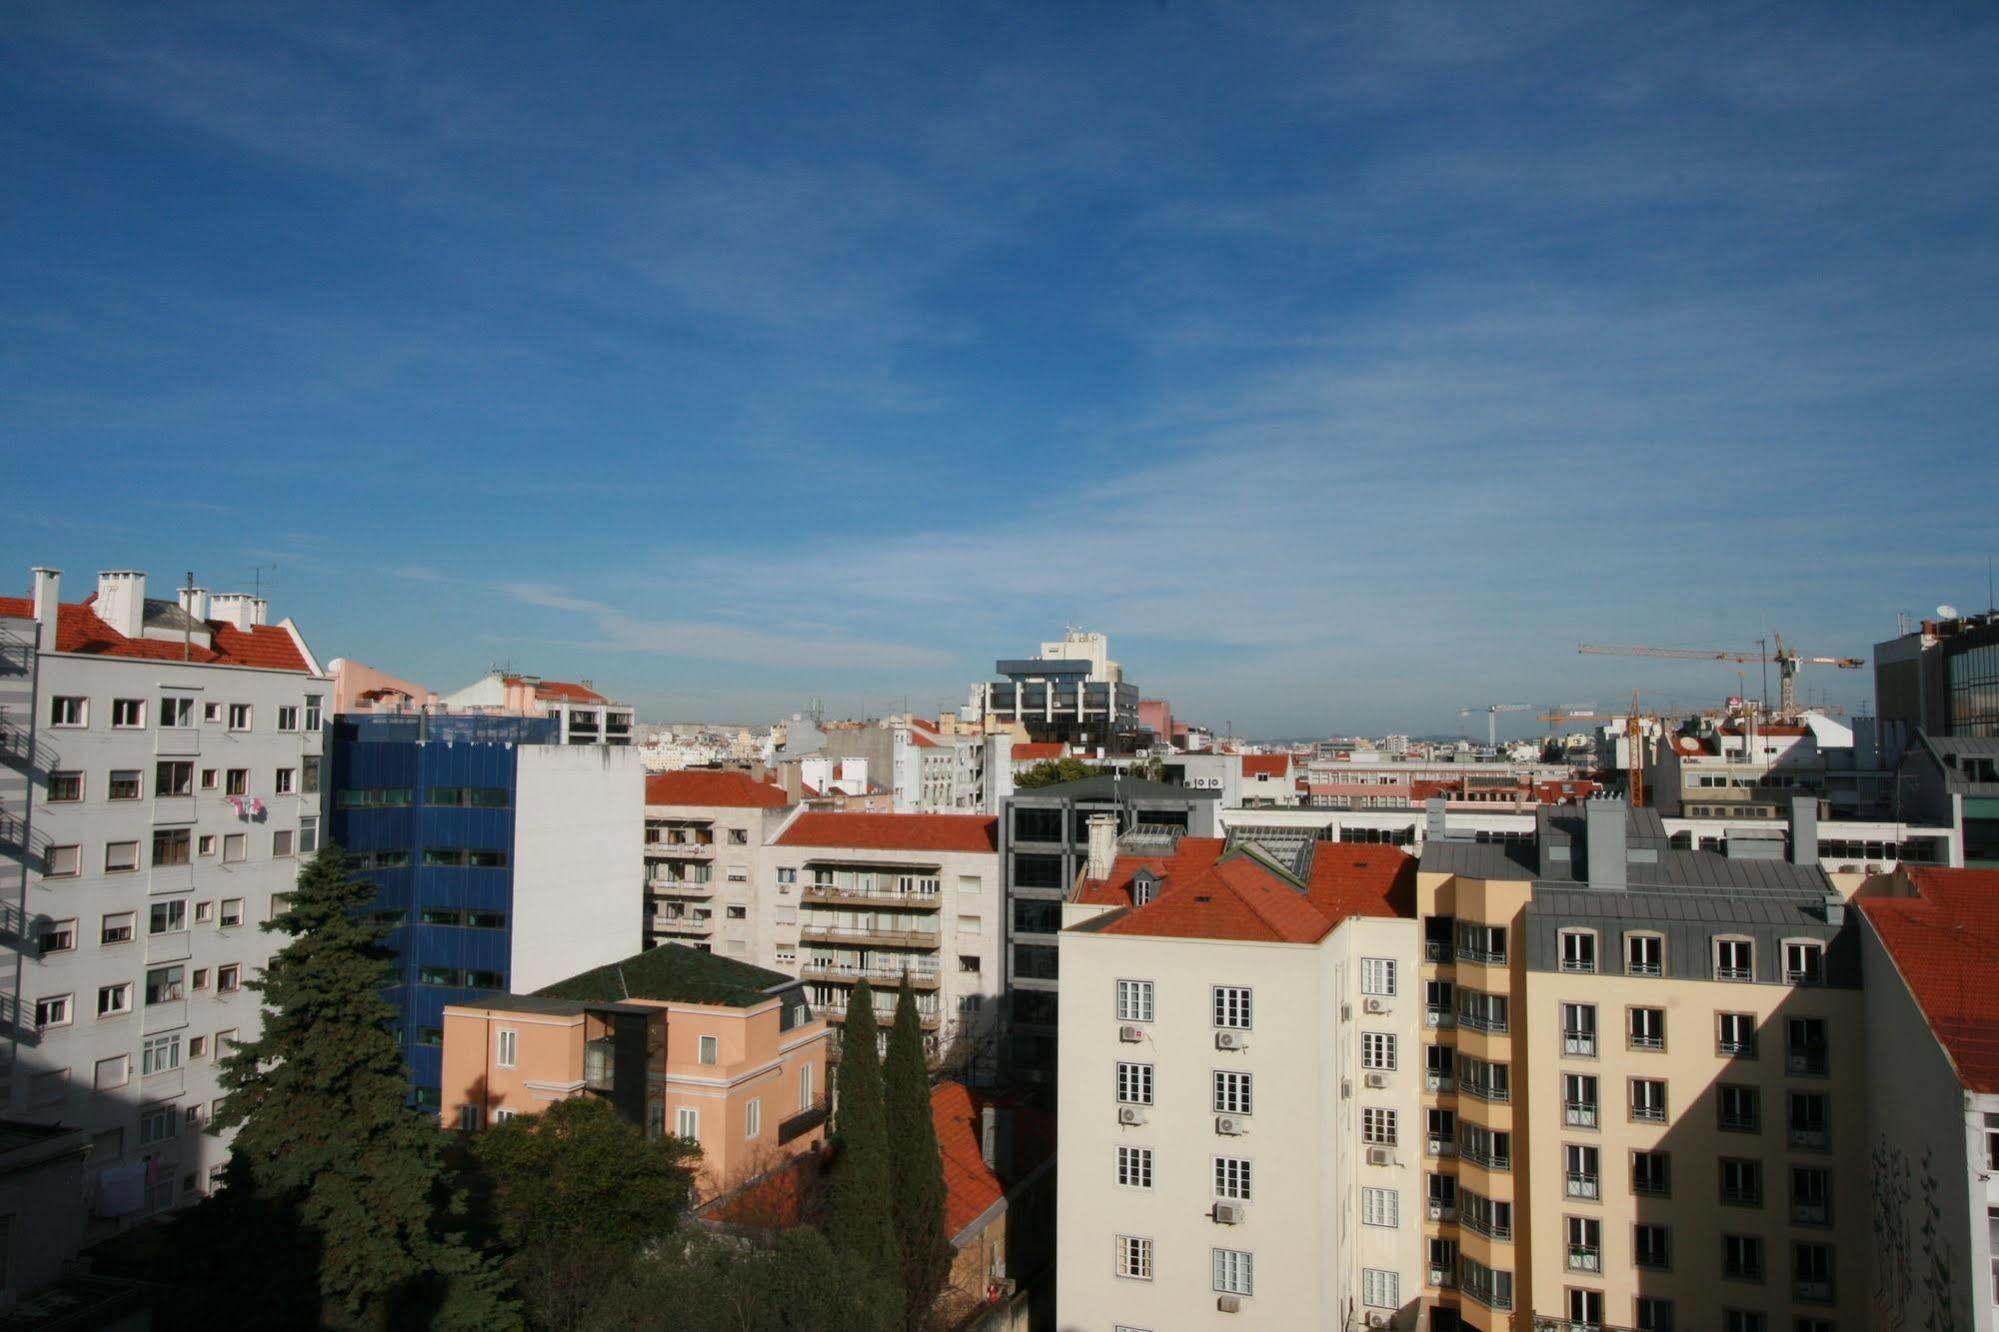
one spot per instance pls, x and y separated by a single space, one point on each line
1603 831
259 609
996 1140
1103 845
121 600
48 596
195 602
1435 826
1804 830
231 608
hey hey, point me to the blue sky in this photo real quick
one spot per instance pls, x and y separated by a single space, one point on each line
1347 365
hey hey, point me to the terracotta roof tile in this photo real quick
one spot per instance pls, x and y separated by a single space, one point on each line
265 646
1265 765
1204 895
1039 750
894 832
704 787
970 1186
1945 944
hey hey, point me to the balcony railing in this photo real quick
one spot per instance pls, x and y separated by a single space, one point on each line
812 933
1585 1258
1485 957
1811 1139
1645 1041
1484 1091
1734 974
683 925
803 1122
680 850
682 887
1439 1017
1580 1043
1583 1186
1810 1060
838 1013
917 980
1579 1114
819 892
1497 1026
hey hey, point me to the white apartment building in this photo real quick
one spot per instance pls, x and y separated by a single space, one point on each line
895 899
172 754
1240 1063
705 835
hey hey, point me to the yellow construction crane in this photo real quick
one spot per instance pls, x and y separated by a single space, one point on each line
1634 741
1788 660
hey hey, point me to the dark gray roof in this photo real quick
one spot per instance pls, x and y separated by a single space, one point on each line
673 972
1950 752
534 1003
1478 860
1736 906
1104 788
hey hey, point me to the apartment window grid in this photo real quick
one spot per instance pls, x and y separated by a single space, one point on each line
1735 1035
1811 1272
1811 1197
1804 963
1582 1165
1579 951
1741 1182
507 1047
1651 1246
1485 1216
1734 960
1806 1046
1645 1028
1585 1307
1231 1093
1481 1011
1134 1257
1742 1257
687 1123
1232 1007
1648 1100
1651 1174
1484 944
1579 1100
1234 1272
1484 1080
1808 1118
1134 1167
1380 1288
1377 1050
1585 1248
1134 1002
1134 1084
1739 1108
1439 1004
1377 976
1232 1178
1377 1126
1380 1207
1579 1030
1491 1148
1652 1313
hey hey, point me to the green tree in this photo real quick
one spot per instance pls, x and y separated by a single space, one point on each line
575 1193
861 1215
322 1130
1050 772
916 1169
797 1283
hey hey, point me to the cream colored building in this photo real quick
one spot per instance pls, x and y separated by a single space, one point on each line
705 832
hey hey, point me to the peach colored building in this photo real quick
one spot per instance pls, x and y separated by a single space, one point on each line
679 1041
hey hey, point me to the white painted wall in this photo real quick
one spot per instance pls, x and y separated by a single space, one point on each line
579 858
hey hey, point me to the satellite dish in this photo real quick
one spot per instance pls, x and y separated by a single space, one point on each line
1947 611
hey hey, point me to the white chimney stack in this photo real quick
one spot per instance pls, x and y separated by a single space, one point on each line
232 608
195 602
1103 845
121 600
259 610
48 595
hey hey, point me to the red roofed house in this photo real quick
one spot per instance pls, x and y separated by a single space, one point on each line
705 830
168 756
587 717
1930 966
999 1199
1253 1004
900 899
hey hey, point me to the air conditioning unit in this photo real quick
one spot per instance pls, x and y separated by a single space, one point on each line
1231 1040
1443 1147
1375 1005
1131 1035
1377 1079
1232 1125
1377 1320
1228 1214
1229 1304
1346 1088
1346 1012
1442 1211
1130 1114
1380 1156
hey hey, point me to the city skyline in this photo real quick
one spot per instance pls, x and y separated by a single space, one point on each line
1345 371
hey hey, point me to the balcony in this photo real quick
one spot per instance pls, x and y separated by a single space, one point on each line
862 934
1811 1139
680 850
1439 1017
1810 1061
798 1125
701 926
1579 1114
681 887
890 976
1585 1258
1734 974
1583 1186
838 1013
1581 1044
830 895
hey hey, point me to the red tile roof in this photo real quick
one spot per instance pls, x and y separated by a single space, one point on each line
922 741
1203 895
970 1185
1038 750
919 722
1265 765
265 646
894 832
1945 944
705 787
559 690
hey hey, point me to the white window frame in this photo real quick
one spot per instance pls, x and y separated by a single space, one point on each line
1234 1178
1134 1083
1233 1271
1377 976
1380 1207
1380 1288
1134 1167
1134 1257
1232 1092
1377 1050
687 1123
753 1118
708 1050
506 1046
1135 1003
62 714
120 704
1232 1007
1379 1126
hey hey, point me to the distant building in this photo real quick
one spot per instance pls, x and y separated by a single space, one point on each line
1942 679
724 1054
705 834
1071 692
1954 781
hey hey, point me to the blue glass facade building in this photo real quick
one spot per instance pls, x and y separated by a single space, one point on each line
426 804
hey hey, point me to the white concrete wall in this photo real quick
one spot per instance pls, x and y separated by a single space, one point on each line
579 857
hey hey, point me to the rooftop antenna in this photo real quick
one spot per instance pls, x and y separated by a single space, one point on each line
621 982
187 620
257 578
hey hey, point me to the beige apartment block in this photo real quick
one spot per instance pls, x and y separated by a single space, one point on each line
705 831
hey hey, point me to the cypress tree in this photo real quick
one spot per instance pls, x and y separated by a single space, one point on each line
321 1125
916 1169
863 1219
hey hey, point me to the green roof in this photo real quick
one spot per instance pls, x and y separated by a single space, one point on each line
673 972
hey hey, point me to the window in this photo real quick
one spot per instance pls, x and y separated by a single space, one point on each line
121 857
200 978
176 712
1481 943
168 917
195 1118
1734 960
1742 1257
1651 1173
507 1046
1134 1257
1805 1046
1134 1084
1377 1049
1232 1271
69 710
1741 1182
1380 1288
1585 1306
1134 1001
1486 1216
1739 1107
312 711
1651 1245
1811 1272
1483 1079
173 777
1579 1100
118 927
1652 1313
1232 1178
805 1087
1231 1093
1735 1035
1804 963
1578 950
160 1054
127 713
239 716
124 784
62 862
687 1123
308 835
197 1047
1377 1126
114 999
1579 1030
1481 1011
172 846
65 787
1134 1167
1584 1177
1645 1028
1441 1130
1484 1285
288 718
114 1071
468 1117
286 781
743 913
1585 1253
1811 1196
753 1118
710 1050
211 778
229 978
1648 1100
1380 1207
54 1011
1232 1006
739 837
232 912
1807 1116
309 775
1439 1005
58 936
211 711
204 845
235 848
165 984
1377 975
1487 1147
